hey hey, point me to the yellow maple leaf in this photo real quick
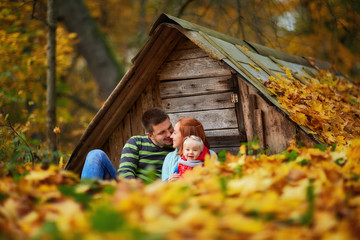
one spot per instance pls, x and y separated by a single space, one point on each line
300 118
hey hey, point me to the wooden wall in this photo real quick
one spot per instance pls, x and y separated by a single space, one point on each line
273 129
194 85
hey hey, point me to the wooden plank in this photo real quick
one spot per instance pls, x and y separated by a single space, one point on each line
279 130
232 150
224 141
126 134
215 119
259 126
184 44
222 132
252 104
224 145
156 93
106 148
239 112
193 68
186 54
202 102
135 118
247 106
302 137
147 98
115 144
150 97
196 86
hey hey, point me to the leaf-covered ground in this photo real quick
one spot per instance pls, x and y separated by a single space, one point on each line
302 193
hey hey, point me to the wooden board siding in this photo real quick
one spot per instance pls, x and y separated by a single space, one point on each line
211 120
115 144
194 85
203 102
198 86
192 68
273 129
187 53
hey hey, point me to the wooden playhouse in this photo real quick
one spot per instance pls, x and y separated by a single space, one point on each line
192 71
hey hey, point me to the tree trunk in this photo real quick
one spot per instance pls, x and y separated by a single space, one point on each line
92 46
51 77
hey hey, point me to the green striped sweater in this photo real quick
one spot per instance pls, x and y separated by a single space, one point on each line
139 155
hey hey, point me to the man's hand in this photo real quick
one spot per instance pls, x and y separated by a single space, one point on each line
174 177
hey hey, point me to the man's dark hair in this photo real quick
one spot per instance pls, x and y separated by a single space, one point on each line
153 117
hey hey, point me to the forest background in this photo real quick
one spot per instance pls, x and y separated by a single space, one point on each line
324 29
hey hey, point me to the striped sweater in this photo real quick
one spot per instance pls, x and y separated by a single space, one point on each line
140 153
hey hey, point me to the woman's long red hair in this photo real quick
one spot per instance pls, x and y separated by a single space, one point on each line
191 126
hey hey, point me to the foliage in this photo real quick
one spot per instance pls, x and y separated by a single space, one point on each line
274 197
23 77
328 105
17 150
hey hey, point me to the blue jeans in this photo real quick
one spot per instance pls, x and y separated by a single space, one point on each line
98 165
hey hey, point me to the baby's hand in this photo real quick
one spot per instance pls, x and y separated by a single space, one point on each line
174 177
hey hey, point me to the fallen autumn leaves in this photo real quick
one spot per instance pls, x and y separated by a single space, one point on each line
325 104
303 193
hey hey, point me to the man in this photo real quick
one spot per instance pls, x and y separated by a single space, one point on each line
140 153
150 150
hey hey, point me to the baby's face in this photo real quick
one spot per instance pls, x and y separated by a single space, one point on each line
191 151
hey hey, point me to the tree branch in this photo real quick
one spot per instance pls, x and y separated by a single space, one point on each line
79 102
17 134
183 7
240 19
37 18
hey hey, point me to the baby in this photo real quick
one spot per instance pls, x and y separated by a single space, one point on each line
194 153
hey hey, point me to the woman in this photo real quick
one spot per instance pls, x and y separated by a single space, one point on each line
183 128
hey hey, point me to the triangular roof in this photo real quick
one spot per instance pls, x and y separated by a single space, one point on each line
252 61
